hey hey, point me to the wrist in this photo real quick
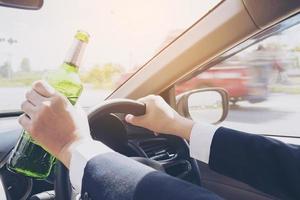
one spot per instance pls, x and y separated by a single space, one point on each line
66 152
183 127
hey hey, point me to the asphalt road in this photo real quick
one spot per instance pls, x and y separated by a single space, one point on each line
279 115
11 98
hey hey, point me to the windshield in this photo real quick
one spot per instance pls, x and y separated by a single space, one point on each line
124 35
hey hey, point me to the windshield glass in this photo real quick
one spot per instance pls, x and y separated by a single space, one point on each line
124 35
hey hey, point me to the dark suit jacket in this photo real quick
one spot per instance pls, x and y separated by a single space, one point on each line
266 164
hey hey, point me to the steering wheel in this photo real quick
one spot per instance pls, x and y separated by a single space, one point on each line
62 185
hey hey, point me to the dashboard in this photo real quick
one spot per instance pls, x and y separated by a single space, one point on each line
132 141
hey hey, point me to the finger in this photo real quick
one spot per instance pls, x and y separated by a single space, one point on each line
25 122
34 97
28 108
137 121
156 134
43 88
133 119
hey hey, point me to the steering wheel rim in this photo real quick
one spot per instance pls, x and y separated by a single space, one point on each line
62 185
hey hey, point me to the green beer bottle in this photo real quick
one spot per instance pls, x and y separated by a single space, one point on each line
28 158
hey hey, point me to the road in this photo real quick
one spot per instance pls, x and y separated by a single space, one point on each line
279 115
11 98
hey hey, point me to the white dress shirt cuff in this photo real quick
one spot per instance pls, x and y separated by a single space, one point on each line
200 141
81 153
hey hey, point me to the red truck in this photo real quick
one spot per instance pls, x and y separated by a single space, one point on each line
241 82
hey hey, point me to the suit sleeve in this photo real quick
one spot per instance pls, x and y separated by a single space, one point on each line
112 176
264 163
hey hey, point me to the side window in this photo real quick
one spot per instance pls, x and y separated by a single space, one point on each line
263 82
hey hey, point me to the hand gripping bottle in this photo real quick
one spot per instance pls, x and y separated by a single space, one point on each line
28 158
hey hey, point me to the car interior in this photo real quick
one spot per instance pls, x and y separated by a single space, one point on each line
229 28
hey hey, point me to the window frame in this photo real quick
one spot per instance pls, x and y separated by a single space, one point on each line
273 30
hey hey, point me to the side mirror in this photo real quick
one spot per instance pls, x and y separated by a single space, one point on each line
22 4
204 105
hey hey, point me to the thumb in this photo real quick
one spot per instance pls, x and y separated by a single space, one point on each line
133 119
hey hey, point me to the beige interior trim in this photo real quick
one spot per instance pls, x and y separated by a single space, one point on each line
169 96
223 28
219 30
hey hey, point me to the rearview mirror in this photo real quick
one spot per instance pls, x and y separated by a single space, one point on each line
204 105
23 4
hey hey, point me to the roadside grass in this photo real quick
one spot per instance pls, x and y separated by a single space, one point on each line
24 79
20 79
293 86
288 89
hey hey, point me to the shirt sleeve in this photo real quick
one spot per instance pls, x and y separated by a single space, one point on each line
200 141
80 154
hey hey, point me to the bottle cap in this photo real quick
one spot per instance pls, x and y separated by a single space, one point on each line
82 36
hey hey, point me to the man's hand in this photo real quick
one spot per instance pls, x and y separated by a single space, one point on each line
161 118
52 121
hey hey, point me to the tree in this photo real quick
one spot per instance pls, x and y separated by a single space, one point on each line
102 77
6 70
25 65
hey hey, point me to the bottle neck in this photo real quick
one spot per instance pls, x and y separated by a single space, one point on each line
75 53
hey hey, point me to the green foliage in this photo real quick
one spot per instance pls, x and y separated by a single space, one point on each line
102 77
20 79
296 48
25 65
6 70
